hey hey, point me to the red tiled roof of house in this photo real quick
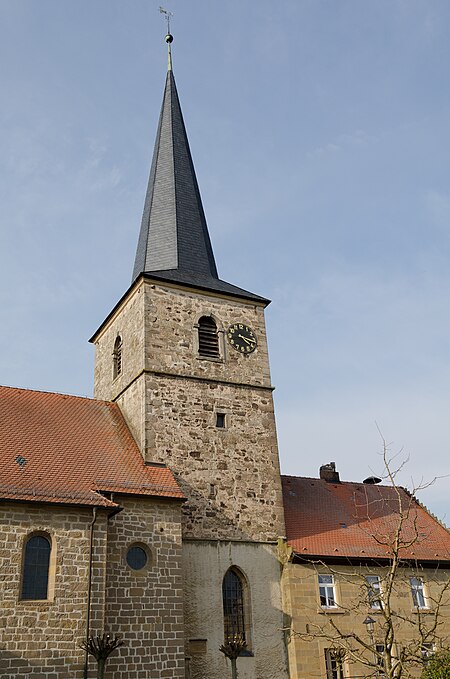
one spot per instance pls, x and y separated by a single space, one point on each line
67 449
357 520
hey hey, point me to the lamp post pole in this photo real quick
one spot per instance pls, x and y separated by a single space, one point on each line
369 623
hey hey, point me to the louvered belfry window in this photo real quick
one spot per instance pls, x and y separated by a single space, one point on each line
208 338
233 606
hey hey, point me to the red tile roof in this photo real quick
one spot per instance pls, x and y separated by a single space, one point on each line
357 520
68 449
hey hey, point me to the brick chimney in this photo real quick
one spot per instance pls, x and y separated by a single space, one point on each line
328 473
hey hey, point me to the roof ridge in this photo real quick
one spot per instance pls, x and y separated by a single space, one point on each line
348 483
58 393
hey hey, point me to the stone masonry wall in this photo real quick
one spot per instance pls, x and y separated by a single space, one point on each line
170 401
129 323
231 475
171 316
157 324
40 639
145 607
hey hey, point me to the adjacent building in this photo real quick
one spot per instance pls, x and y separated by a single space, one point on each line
365 566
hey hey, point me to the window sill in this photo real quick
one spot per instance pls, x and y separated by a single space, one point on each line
420 611
324 610
214 359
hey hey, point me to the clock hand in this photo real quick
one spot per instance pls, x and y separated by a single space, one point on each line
246 339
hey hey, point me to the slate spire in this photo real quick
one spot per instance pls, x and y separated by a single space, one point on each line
174 242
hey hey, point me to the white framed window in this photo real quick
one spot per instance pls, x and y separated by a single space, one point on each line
334 663
327 591
374 591
417 593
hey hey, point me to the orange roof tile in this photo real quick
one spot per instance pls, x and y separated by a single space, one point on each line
357 520
68 449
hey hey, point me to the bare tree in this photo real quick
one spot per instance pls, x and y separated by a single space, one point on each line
232 650
377 634
101 648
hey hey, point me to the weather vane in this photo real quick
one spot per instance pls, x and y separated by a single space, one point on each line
167 17
169 36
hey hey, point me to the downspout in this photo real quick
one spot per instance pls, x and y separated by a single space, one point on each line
88 611
285 555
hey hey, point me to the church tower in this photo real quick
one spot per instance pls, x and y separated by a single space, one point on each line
184 354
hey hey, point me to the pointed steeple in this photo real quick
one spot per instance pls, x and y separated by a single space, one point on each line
174 243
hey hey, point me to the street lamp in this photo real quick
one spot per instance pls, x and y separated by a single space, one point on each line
369 623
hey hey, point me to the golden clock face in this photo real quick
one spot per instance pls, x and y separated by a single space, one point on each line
242 338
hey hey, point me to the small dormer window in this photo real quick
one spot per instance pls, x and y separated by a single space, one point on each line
117 357
208 338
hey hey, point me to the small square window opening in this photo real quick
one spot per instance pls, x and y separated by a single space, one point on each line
220 420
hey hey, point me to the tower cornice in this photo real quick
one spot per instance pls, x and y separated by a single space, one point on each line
232 293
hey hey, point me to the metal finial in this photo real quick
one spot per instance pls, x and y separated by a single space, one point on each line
169 36
167 17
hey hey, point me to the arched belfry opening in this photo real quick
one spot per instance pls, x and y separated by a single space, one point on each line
208 338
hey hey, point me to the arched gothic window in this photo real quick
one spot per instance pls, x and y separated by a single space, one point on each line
208 339
36 562
233 606
117 357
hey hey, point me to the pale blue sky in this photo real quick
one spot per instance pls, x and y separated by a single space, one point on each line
320 135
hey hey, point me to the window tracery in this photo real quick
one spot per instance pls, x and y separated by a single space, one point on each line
233 606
